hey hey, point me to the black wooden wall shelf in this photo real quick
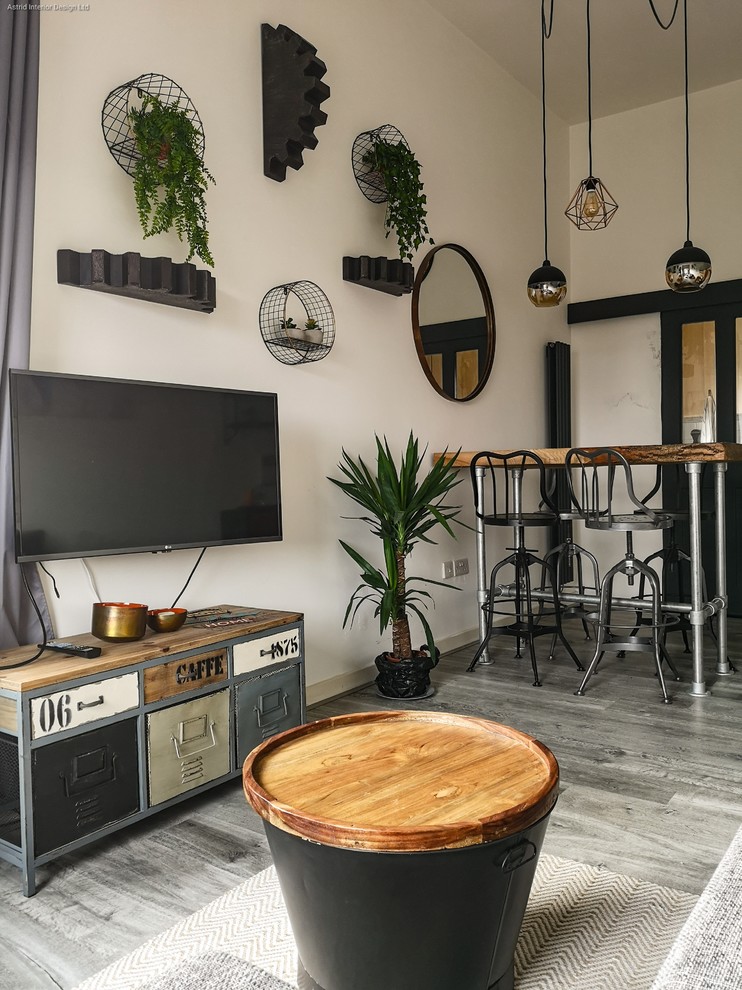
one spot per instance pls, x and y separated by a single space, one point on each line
153 279
292 94
388 275
115 115
278 304
369 180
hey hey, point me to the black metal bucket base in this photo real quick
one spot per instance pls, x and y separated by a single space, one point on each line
430 691
305 981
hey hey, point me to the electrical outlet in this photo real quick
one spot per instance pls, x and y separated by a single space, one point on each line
447 569
461 566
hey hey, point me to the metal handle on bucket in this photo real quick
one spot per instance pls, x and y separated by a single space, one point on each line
518 856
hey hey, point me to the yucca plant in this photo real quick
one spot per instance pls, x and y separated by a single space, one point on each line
402 508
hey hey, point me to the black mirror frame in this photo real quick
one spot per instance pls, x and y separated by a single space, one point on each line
489 311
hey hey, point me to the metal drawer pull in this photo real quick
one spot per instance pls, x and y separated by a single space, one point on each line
89 704
276 718
193 752
269 653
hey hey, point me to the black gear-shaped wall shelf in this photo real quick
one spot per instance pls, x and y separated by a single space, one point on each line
157 280
388 275
369 180
291 346
292 94
115 115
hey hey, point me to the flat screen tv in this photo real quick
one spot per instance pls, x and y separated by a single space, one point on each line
107 466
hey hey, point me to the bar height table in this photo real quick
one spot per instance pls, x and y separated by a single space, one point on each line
693 456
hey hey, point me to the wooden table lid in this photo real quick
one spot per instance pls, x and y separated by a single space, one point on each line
401 780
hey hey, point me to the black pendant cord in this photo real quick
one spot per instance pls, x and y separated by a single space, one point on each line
687 123
589 95
659 19
544 35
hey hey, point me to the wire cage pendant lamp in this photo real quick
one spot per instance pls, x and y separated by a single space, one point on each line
547 285
592 206
689 268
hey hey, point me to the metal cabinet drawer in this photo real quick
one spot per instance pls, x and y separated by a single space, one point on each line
83 783
266 705
187 745
77 706
265 650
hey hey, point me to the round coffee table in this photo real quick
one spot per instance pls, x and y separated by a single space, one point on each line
405 844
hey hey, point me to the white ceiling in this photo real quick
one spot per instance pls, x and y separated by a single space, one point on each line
634 62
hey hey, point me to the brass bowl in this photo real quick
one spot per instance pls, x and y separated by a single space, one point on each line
166 619
119 622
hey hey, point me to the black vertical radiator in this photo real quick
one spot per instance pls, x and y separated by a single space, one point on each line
559 433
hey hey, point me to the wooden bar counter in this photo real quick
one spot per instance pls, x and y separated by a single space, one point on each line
693 456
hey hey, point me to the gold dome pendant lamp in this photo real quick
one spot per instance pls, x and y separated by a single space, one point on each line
547 286
689 268
592 206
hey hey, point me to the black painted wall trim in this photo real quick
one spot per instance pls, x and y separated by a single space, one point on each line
664 301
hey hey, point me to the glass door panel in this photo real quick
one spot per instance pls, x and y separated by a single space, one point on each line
699 381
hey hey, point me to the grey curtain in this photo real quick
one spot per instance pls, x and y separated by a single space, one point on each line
19 84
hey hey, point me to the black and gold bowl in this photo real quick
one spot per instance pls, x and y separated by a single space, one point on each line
119 622
166 619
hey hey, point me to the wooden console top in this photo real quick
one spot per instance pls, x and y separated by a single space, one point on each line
54 667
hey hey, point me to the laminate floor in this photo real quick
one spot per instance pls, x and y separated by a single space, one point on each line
647 789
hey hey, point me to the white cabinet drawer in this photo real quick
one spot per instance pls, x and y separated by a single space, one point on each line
79 705
265 650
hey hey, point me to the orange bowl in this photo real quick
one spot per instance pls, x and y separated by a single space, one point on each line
166 619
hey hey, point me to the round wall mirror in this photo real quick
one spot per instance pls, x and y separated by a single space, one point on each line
453 321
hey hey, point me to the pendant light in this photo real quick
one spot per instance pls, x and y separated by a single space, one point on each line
547 286
689 268
592 206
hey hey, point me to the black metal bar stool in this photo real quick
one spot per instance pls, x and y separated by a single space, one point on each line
529 617
569 561
592 476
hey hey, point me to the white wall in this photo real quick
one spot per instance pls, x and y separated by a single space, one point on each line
477 135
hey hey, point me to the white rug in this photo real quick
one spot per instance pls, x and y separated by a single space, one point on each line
585 929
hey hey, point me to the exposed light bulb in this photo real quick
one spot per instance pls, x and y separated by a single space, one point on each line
592 206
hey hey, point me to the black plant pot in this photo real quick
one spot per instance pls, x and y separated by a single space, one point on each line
405 678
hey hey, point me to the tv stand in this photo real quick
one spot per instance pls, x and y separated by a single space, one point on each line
88 747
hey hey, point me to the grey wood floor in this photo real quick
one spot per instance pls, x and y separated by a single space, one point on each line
649 790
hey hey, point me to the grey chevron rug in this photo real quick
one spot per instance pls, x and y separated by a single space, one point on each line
585 929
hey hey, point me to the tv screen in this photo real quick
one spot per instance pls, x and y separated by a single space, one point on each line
104 466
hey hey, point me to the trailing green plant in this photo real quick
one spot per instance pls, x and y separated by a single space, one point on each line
406 210
402 508
170 177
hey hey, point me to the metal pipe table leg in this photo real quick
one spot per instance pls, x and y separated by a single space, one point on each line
482 591
696 617
722 658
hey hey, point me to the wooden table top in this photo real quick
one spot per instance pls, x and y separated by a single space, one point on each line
51 668
402 780
652 453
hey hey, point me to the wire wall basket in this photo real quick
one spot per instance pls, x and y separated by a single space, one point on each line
369 180
115 114
283 326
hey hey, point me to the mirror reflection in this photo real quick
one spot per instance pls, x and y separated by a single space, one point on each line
453 322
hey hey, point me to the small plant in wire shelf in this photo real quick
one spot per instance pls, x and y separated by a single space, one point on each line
313 332
291 329
170 177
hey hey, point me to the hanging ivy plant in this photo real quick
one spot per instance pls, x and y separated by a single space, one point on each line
406 211
170 177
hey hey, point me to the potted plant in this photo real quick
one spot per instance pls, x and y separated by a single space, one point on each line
406 210
402 507
291 329
313 332
170 177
